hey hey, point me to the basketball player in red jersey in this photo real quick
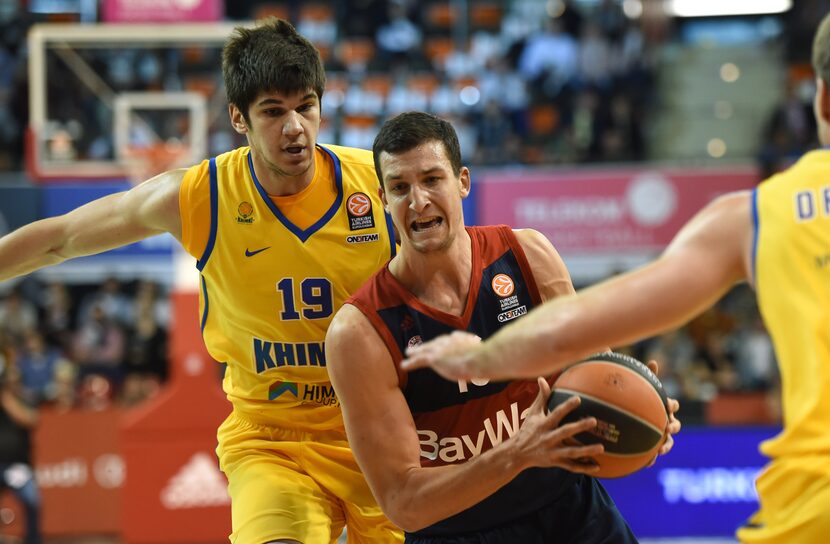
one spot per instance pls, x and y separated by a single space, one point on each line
458 461
777 238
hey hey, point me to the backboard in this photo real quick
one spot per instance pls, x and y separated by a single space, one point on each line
101 93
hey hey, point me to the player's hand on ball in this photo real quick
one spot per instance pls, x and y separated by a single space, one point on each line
673 426
450 355
541 442
672 429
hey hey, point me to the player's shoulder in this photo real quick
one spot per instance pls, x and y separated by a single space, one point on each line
532 241
736 203
349 325
352 156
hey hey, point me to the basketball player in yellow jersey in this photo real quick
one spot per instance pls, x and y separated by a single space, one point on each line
283 231
777 237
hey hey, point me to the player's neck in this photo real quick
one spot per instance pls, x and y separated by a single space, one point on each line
278 183
440 279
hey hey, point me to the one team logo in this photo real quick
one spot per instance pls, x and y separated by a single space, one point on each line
362 238
359 208
245 213
503 285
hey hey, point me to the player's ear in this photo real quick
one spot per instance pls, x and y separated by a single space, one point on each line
382 195
237 119
464 179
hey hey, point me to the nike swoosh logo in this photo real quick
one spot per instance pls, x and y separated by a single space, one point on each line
249 253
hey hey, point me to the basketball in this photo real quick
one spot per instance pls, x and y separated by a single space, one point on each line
630 406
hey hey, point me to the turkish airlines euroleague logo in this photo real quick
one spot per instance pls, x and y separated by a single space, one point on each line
503 285
359 208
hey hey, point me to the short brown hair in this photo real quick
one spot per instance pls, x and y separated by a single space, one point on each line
821 50
271 56
411 129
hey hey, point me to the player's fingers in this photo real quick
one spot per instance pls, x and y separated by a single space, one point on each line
562 410
673 405
667 445
542 397
580 453
580 458
674 426
568 430
653 366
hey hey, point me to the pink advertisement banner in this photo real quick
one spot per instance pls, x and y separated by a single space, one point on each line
604 210
161 11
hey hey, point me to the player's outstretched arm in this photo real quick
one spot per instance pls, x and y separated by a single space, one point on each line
705 259
115 220
385 441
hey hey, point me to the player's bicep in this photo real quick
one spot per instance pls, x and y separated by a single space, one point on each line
548 268
378 422
709 250
115 220
700 265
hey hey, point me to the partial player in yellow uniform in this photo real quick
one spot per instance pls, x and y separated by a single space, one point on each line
777 238
283 230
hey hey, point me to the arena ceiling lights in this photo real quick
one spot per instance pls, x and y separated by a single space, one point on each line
720 8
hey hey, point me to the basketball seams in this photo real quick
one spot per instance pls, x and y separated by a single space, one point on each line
613 407
626 361
636 375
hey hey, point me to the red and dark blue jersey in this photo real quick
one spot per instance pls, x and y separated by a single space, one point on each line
459 420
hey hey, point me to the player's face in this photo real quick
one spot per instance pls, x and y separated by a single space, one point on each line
423 196
282 131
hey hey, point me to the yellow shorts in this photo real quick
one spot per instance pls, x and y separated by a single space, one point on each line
795 504
290 484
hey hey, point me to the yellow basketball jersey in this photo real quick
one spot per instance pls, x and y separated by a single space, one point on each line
270 286
792 278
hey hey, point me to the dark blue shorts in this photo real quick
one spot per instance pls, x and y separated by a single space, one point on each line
587 515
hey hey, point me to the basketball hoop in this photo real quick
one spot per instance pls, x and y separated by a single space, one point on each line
144 162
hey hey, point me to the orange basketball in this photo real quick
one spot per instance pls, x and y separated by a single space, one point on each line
629 404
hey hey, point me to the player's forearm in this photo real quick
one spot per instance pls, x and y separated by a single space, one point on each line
539 344
426 496
31 247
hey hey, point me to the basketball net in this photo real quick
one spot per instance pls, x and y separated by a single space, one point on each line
144 162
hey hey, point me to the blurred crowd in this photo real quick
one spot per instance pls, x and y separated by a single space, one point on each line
89 347
524 82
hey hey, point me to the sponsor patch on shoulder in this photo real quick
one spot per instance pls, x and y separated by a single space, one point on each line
363 238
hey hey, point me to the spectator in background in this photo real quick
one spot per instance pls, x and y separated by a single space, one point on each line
66 386
755 357
595 58
17 315
17 420
146 360
504 86
399 39
150 299
57 320
36 363
99 346
550 59
109 298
